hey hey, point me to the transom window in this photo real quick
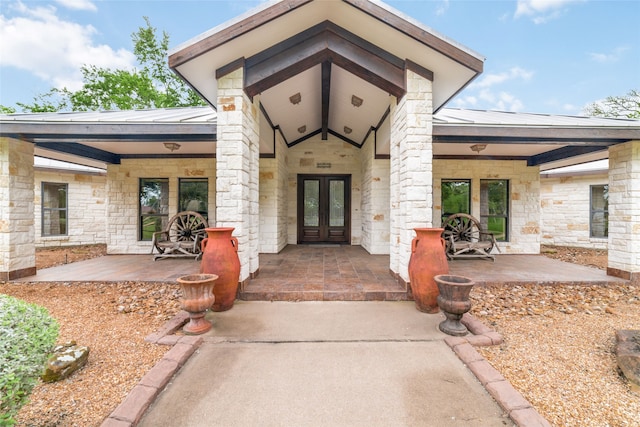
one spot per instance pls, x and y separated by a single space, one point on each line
154 206
599 215
54 209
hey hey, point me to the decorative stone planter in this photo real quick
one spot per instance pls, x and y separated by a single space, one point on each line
454 302
198 296
220 257
428 259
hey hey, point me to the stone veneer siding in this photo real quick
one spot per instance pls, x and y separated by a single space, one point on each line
238 168
411 150
345 159
524 187
624 211
86 207
375 200
274 185
17 252
565 202
123 184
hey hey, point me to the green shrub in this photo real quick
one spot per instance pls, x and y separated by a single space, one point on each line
27 335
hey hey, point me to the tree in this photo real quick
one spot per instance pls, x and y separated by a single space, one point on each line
626 106
6 110
152 86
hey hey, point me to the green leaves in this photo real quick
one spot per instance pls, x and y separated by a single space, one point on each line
153 85
27 335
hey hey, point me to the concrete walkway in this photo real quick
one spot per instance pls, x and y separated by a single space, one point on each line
324 364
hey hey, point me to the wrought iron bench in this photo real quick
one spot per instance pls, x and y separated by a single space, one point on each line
182 237
464 238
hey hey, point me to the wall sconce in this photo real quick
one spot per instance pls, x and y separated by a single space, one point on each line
355 101
478 147
171 146
295 99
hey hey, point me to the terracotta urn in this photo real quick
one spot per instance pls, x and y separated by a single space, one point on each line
454 302
428 259
197 298
220 257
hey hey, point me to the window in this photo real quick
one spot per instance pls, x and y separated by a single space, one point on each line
456 197
193 195
154 206
54 209
494 207
599 217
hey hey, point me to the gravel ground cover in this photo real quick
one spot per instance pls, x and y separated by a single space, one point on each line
558 348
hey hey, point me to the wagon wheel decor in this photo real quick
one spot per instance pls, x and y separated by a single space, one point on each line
184 228
463 228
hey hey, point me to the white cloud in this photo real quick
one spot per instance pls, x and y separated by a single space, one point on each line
37 41
541 11
78 5
608 57
442 7
486 94
514 73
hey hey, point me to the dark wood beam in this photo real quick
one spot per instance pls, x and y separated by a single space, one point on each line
562 153
326 94
81 150
550 140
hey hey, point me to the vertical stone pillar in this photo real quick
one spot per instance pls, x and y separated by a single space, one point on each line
237 168
624 211
17 238
411 169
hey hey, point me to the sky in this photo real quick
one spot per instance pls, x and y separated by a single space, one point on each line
542 56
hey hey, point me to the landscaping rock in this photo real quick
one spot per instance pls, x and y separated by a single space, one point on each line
628 355
66 359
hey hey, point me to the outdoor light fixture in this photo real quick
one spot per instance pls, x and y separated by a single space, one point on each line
295 99
172 146
347 130
302 129
355 101
478 147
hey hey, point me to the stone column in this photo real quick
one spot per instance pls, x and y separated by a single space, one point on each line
237 168
17 238
411 169
624 211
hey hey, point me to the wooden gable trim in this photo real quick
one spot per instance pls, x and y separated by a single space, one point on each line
418 34
230 68
419 69
324 42
233 31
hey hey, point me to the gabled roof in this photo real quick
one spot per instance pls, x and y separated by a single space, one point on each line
326 52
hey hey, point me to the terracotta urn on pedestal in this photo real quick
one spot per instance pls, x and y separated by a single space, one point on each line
197 298
454 302
220 257
428 259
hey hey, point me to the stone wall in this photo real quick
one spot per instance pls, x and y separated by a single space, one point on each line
274 178
375 200
624 214
565 204
343 158
123 183
86 208
524 187
17 252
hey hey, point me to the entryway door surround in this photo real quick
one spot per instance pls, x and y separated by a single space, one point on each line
324 209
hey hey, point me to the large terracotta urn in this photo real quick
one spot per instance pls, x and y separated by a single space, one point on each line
220 257
197 297
428 259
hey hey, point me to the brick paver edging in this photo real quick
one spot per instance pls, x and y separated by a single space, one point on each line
521 412
133 407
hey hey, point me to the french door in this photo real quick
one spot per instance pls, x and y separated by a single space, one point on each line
324 208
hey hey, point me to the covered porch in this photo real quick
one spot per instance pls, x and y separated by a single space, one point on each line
327 273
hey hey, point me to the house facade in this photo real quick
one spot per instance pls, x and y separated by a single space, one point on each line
327 125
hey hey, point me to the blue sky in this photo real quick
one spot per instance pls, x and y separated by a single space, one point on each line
543 56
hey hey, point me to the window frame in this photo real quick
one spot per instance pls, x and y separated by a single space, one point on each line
44 210
205 214
445 215
604 211
484 219
142 216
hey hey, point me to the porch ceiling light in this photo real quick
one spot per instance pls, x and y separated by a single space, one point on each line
355 101
347 130
171 146
295 99
302 129
478 147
